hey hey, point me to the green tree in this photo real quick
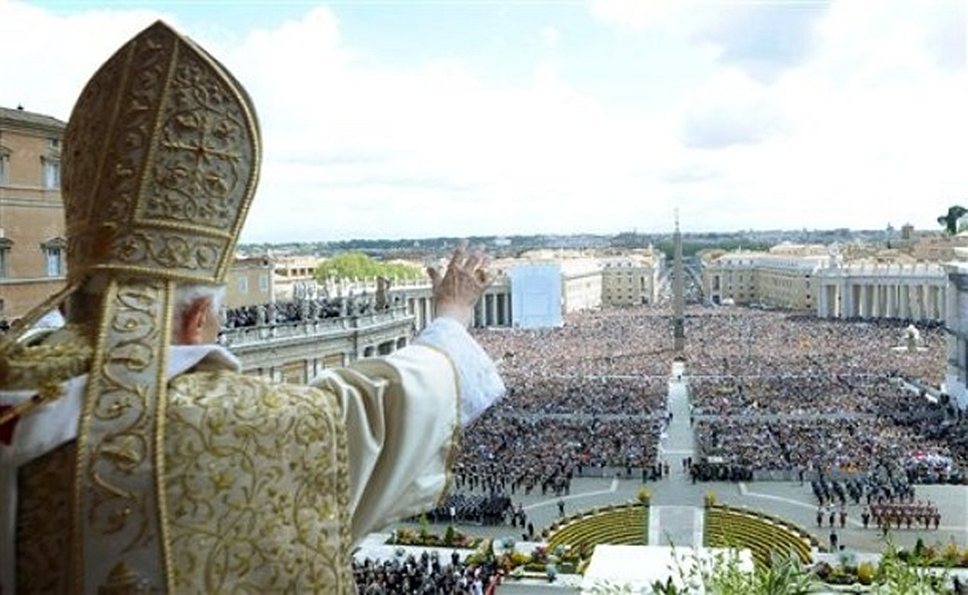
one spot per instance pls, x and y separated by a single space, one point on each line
950 221
358 265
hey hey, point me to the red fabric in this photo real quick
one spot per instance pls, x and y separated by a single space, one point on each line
6 432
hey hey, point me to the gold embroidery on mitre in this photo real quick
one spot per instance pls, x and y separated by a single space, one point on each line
161 158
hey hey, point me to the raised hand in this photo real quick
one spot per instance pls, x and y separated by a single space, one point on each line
457 290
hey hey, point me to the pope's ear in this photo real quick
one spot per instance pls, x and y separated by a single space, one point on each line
189 331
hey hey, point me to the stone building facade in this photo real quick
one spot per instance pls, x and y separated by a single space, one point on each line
630 280
956 325
783 277
32 245
250 282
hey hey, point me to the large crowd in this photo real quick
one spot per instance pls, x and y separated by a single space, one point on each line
745 342
771 391
424 575
821 395
529 453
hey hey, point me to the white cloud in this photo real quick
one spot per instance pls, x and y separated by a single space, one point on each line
48 58
634 14
731 109
549 36
862 129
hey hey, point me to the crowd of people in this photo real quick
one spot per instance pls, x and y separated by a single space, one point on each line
610 342
908 515
773 391
584 399
815 443
424 575
303 309
583 395
746 342
477 509
523 454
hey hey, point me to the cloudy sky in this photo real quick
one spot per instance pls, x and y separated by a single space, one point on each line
421 118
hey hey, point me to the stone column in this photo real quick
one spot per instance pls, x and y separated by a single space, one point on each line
920 301
822 301
938 303
491 309
479 313
892 301
905 300
942 296
510 309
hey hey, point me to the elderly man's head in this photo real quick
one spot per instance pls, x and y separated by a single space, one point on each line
195 313
195 319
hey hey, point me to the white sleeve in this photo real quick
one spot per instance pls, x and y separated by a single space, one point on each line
478 378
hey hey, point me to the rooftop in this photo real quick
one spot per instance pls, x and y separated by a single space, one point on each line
20 116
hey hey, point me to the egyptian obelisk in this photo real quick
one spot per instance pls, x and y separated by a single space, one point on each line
678 297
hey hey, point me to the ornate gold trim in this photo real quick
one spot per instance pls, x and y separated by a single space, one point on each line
21 326
343 497
120 514
161 382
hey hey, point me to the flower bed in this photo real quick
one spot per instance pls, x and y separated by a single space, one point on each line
451 538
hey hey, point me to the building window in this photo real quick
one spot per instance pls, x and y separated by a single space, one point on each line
263 282
54 250
5 246
4 165
243 285
51 169
55 264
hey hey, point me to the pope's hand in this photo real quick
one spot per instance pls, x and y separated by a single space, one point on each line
457 290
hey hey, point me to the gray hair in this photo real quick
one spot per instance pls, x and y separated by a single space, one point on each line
83 304
187 294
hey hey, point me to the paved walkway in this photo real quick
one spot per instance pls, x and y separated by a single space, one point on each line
676 517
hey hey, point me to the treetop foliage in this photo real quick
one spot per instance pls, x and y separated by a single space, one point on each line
358 265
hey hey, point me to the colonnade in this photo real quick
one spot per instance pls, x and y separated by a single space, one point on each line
493 309
422 309
913 292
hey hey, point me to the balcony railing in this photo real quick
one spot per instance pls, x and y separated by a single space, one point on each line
300 329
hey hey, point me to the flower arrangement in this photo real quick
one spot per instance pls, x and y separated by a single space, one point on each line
451 538
644 496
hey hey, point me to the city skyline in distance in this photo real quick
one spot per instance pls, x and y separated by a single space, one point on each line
410 120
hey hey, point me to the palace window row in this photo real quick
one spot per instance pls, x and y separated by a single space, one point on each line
53 253
50 177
